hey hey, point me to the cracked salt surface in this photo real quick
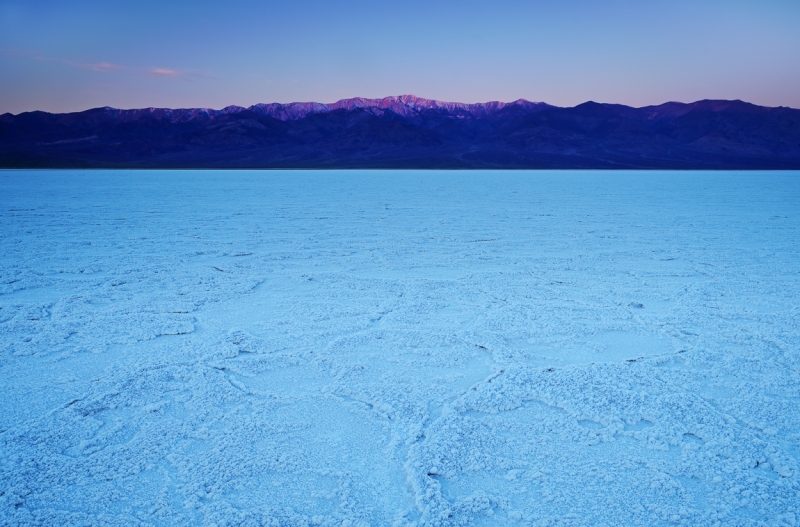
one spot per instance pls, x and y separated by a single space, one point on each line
399 348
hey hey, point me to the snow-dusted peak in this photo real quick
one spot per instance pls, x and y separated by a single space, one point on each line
404 105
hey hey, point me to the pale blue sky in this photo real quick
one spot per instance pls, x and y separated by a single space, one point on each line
66 56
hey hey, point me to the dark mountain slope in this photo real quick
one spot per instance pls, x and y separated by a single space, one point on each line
410 132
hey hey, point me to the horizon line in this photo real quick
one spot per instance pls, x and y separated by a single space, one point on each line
396 98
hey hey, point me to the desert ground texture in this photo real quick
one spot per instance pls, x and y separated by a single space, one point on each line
405 348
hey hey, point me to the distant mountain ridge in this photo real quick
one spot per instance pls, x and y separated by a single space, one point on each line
409 132
404 105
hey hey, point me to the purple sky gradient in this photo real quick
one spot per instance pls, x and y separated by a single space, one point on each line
68 56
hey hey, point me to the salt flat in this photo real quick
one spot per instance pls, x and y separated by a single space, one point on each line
399 348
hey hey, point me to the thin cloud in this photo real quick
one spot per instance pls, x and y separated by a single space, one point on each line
31 54
169 73
34 55
164 72
103 66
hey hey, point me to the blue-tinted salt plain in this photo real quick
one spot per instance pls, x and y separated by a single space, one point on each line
399 348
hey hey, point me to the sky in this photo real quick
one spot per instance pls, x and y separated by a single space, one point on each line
63 56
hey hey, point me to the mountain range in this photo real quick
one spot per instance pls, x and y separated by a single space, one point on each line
409 132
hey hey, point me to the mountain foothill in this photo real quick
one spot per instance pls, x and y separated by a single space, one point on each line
410 132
